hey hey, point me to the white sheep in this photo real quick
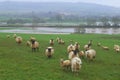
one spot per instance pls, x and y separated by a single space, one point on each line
117 48
49 52
86 47
65 63
90 54
73 54
76 64
18 39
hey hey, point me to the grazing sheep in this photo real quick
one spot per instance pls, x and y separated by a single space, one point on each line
35 46
117 48
49 52
86 47
65 63
51 42
105 47
60 41
90 54
76 64
19 40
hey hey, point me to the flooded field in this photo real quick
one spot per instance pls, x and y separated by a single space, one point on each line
54 30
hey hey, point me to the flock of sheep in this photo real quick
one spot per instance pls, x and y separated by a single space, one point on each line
75 55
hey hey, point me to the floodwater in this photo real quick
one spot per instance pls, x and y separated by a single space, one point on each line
54 30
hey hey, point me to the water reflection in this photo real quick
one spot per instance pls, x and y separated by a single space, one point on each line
54 30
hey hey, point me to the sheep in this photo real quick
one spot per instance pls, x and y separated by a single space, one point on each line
73 54
90 54
35 46
76 47
105 47
19 40
49 52
51 42
90 43
76 64
65 63
86 47
70 48
60 41
117 48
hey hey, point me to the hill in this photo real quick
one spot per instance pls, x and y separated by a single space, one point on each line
82 9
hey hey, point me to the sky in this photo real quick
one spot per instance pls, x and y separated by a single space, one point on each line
114 3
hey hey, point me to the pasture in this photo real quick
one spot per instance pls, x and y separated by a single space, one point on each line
18 62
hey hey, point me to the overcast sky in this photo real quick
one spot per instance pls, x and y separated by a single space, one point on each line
115 3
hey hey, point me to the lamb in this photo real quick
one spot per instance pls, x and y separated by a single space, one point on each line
90 54
49 52
19 40
86 47
65 63
76 64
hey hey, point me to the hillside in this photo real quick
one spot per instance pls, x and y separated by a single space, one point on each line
82 9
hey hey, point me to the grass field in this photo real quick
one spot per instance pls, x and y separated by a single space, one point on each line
18 62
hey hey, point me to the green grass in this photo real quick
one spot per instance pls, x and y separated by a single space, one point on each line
18 62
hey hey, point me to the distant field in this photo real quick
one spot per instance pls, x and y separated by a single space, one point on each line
18 62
